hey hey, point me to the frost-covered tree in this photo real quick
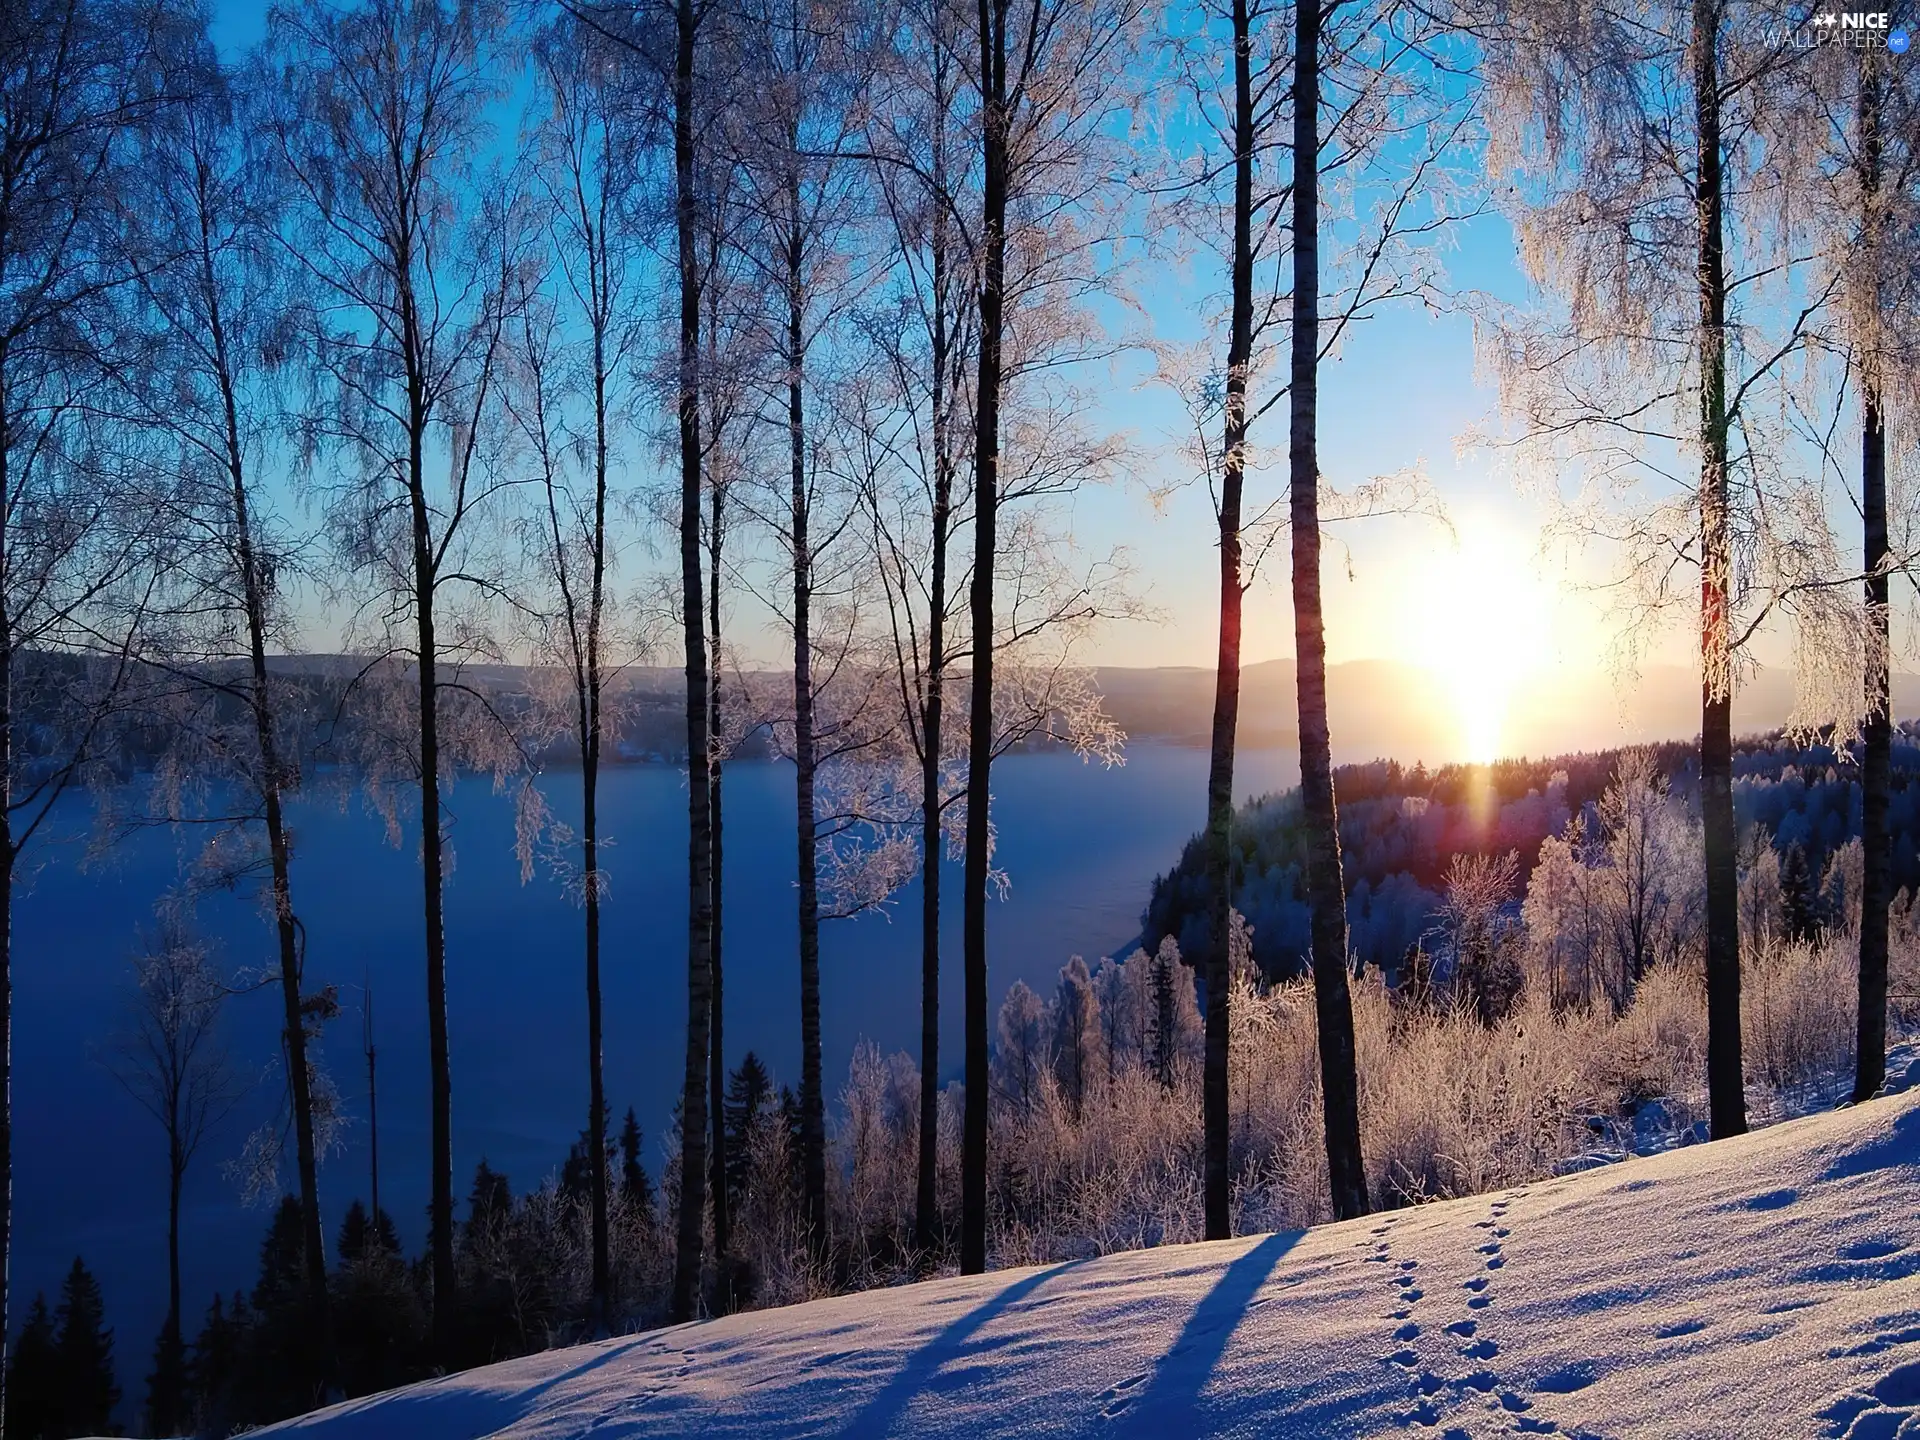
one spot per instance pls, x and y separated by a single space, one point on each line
1480 935
78 80
1649 889
1567 924
1174 1033
378 131
1648 211
1076 1033
1023 1054
1046 87
217 295
1393 120
173 1063
1759 886
587 155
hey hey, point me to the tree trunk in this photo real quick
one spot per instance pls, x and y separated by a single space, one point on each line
176 1173
1876 765
596 1080
1725 1087
986 464
373 1110
693 1105
926 1199
716 1042
1326 897
1226 686
279 848
813 1129
9 857
432 869
926 1209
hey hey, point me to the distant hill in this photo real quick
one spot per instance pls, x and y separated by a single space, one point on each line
1385 708
1378 708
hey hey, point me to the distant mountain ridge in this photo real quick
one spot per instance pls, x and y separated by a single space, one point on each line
1377 708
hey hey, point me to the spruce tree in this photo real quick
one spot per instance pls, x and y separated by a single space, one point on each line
83 1357
749 1092
167 1384
214 1367
1796 895
1165 1017
32 1394
633 1174
490 1200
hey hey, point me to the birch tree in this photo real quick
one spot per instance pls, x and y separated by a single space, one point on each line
1854 176
381 120
172 1062
217 311
801 194
910 420
1045 81
570 406
672 43
1643 204
76 543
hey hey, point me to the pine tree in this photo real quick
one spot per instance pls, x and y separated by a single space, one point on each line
1796 895
1166 1015
32 1394
633 1174
379 1322
576 1174
214 1368
489 1202
167 1385
365 1237
83 1357
278 1374
748 1093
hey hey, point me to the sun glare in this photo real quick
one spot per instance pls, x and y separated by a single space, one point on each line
1485 615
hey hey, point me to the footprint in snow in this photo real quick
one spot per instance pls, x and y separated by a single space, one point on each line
1902 1329
1425 1413
1679 1328
1119 1397
1463 1328
1891 1406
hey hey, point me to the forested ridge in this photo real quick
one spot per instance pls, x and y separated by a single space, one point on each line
1789 796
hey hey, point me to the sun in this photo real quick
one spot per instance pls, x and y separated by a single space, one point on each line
1484 620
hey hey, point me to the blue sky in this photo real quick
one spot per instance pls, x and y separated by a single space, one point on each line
1402 393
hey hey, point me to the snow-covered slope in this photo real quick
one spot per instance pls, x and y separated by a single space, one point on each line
1765 1286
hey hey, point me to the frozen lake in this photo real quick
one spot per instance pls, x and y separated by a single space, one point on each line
1081 844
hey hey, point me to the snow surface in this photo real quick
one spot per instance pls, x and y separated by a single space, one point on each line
1768 1285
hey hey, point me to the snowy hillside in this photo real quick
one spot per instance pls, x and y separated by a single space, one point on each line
1769 1285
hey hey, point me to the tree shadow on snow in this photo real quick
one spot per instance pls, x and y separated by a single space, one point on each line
950 1345
1167 1404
